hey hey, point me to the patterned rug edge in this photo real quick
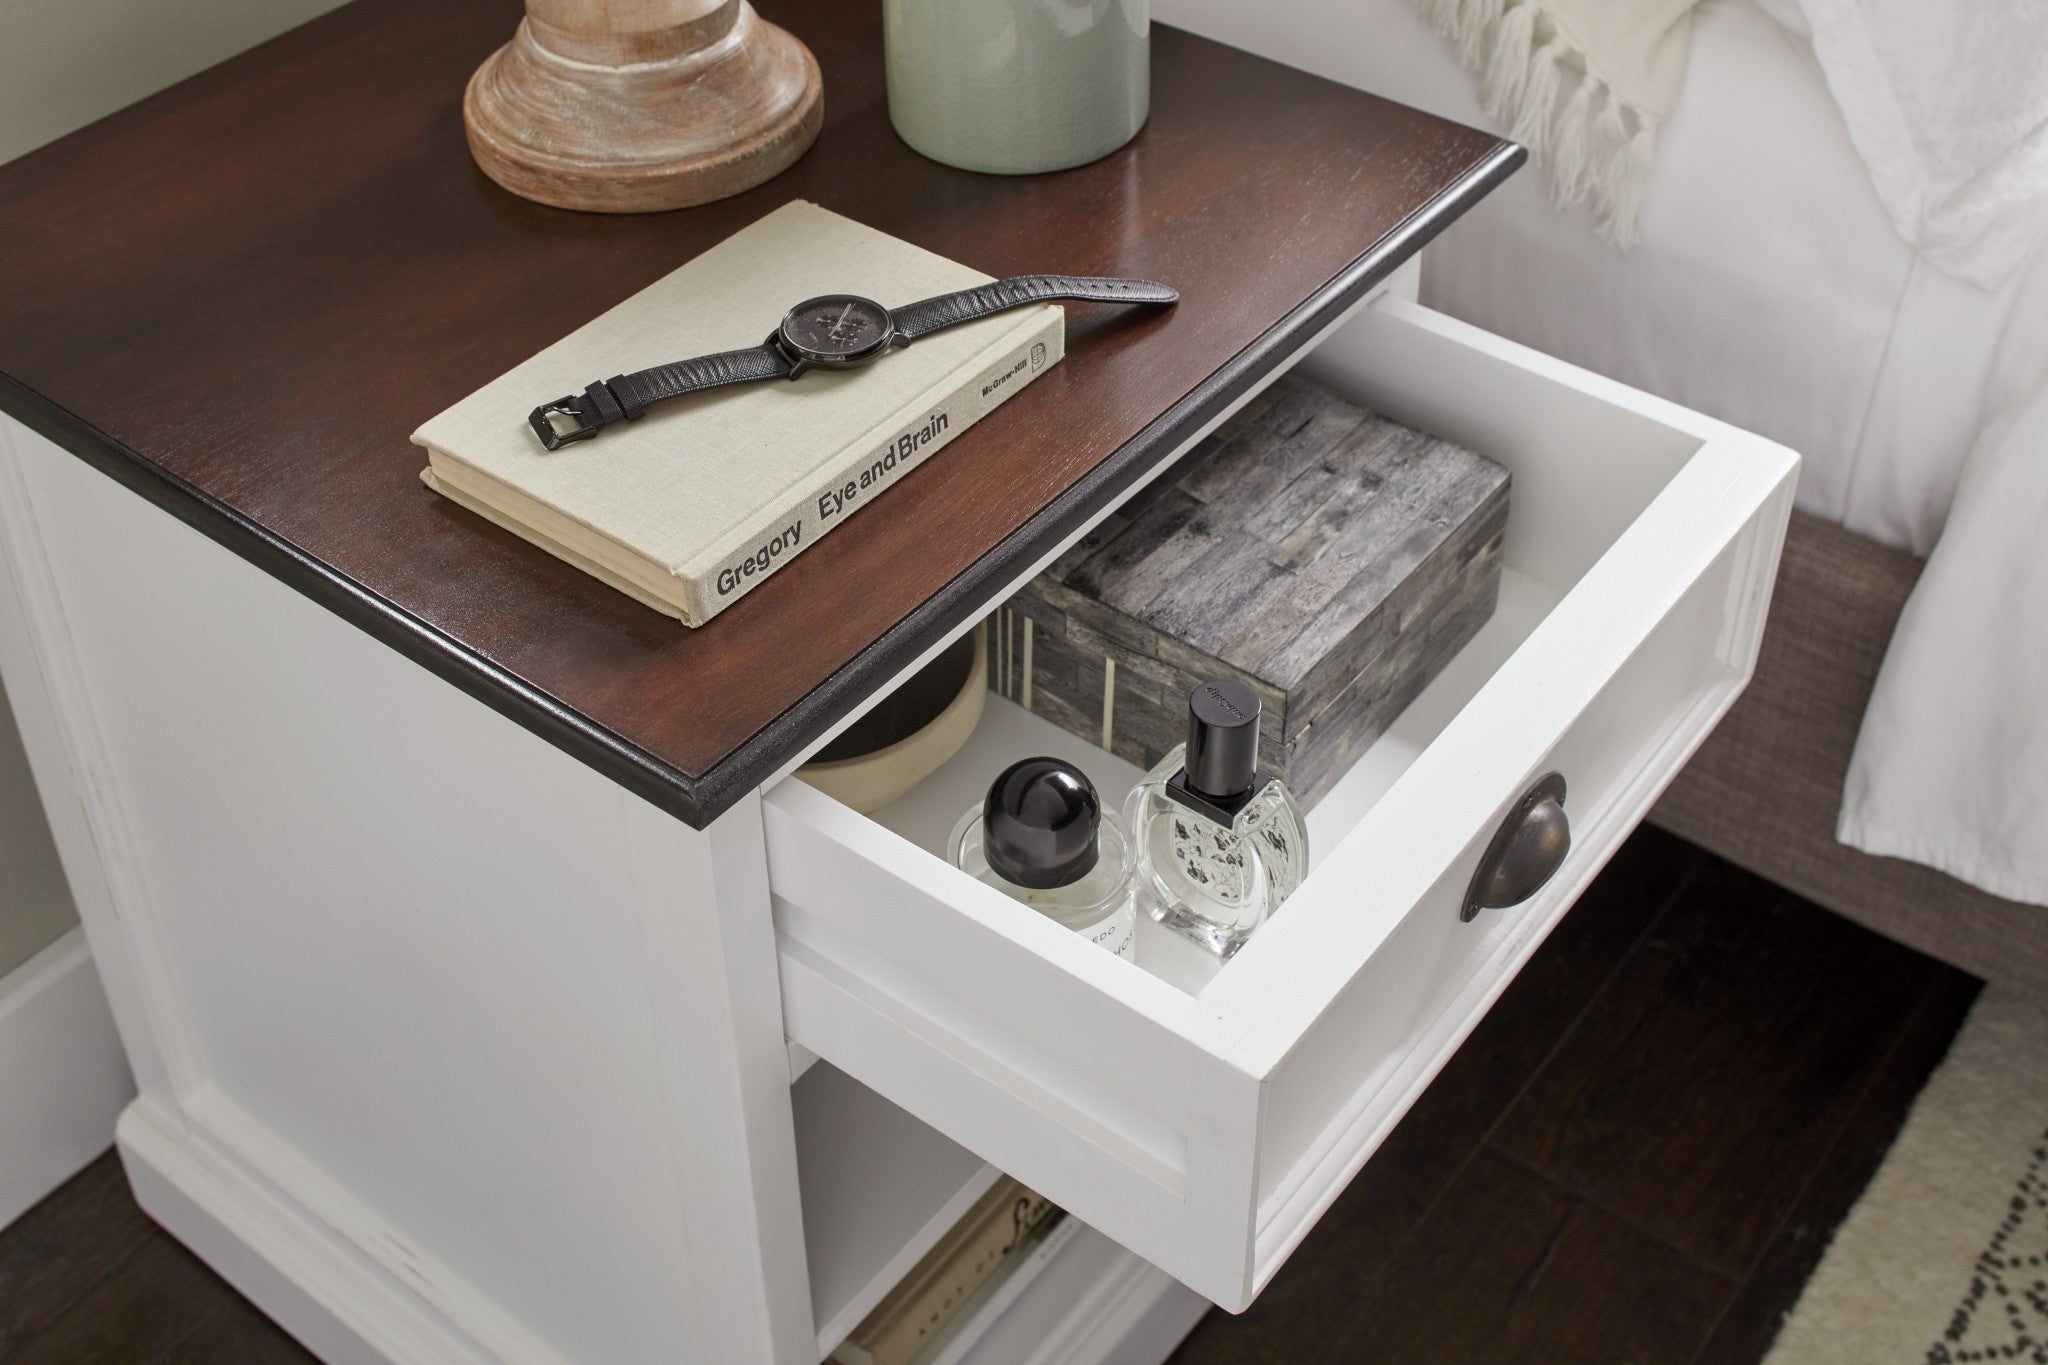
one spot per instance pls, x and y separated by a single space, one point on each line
1944 1259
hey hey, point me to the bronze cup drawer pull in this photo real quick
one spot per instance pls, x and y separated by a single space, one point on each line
1526 851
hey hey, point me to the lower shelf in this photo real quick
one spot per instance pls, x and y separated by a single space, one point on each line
878 1188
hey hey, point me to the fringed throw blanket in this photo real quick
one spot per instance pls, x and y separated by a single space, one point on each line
1582 84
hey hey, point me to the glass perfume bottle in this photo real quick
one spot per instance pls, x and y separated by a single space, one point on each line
1042 837
1217 843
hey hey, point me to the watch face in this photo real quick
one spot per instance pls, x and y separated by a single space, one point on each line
837 330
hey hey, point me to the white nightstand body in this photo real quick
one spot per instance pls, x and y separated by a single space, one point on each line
450 1049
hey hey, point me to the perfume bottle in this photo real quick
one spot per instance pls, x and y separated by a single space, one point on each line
1042 837
1218 844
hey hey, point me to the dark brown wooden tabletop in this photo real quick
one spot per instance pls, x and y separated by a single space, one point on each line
241 296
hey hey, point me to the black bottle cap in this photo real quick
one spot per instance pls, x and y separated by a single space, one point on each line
1039 824
1223 738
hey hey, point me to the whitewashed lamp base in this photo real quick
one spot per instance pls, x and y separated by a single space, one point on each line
628 107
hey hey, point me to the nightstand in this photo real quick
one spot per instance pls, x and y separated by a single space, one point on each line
494 991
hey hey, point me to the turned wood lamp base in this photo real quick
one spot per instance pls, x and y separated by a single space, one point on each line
630 106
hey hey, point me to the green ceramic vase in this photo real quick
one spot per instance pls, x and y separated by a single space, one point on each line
1016 86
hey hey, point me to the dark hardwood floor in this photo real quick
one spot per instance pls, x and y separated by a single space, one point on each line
1640 1154
1638 1157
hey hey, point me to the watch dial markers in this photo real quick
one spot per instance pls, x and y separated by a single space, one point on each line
837 328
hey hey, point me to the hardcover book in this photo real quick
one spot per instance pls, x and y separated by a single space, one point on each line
988 1242
700 500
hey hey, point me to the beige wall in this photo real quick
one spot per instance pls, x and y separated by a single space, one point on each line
64 63
35 907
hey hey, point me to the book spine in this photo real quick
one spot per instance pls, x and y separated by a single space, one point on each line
847 484
992 1240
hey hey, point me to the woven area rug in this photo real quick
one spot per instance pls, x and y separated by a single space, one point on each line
1944 1261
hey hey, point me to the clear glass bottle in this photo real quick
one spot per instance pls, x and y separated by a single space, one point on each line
1041 837
1216 843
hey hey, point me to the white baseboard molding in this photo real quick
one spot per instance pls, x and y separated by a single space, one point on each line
342 1306
1097 1305
63 1078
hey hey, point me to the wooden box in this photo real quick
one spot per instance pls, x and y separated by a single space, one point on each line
1332 559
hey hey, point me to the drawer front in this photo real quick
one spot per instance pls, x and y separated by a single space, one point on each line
1205 1119
1380 1035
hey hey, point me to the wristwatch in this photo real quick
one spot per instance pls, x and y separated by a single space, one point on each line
830 332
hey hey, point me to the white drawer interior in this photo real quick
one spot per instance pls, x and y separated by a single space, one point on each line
1205 1117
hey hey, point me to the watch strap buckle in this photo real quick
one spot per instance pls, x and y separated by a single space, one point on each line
596 407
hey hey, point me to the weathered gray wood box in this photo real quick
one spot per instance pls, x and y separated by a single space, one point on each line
1332 559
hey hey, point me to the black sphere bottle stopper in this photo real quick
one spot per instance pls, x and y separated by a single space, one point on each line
1040 824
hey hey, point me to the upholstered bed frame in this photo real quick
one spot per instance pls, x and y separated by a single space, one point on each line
1764 789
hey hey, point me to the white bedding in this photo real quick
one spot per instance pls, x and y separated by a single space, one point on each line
1951 767
1765 256
1949 110
1769 289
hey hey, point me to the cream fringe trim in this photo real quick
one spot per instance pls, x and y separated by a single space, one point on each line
1544 90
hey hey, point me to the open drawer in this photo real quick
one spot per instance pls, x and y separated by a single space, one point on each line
1206 1117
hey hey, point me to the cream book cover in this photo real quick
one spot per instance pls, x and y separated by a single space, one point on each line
704 497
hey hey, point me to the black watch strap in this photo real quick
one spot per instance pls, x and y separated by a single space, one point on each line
929 315
625 397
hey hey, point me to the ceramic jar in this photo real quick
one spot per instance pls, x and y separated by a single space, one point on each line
1017 86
